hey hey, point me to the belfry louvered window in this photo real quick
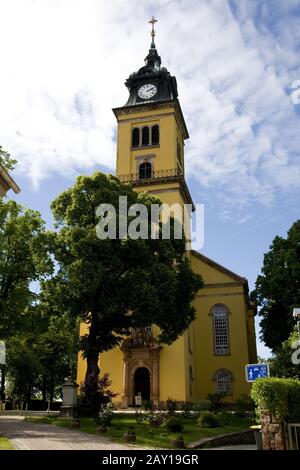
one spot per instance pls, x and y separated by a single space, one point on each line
135 137
145 136
155 135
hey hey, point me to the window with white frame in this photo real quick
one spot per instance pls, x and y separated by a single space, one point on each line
221 337
223 382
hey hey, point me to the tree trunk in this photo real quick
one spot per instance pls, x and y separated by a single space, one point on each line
92 370
44 390
28 396
51 390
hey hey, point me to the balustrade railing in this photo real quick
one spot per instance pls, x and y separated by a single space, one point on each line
131 177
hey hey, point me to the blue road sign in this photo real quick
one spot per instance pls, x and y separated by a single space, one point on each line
256 371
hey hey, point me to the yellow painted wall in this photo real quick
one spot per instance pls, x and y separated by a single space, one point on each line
207 363
165 153
81 363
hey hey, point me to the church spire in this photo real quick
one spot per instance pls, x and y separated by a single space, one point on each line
153 59
153 76
153 21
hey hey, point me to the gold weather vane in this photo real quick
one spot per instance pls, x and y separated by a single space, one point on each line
153 21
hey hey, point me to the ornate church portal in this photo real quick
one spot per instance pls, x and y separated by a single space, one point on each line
140 368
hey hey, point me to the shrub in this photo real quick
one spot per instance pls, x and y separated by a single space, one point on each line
90 401
140 417
187 410
216 401
156 418
281 397
148 405
208 420
231 418
201 405
105 415
171 406
243 405
174 424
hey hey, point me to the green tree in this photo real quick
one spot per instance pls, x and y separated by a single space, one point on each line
23 367
41 356
24 258
115 285
6 161
281 364
57 349
278 288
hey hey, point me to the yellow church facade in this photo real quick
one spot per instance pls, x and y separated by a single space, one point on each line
211 355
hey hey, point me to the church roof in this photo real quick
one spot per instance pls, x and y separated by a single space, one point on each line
6 182
219 267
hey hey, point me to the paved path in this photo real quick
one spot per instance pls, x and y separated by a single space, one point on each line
34 436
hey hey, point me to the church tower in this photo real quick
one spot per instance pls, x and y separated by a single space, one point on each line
151 133
211 354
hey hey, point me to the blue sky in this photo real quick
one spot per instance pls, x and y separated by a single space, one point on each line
236 62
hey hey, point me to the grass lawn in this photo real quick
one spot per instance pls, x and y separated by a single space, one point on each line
148 436
5 444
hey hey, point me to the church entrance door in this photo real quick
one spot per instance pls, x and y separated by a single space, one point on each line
142 383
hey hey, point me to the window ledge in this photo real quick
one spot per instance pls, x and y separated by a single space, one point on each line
223 354
145 147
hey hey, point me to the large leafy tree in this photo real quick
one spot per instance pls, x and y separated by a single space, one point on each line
278 288
23 367
286 361
24 258
41 356
115 284
57 349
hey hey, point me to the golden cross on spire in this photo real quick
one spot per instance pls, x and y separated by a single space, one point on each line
153 21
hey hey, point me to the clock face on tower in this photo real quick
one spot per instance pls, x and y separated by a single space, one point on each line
147 91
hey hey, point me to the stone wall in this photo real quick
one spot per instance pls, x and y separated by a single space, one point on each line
233 438
272 432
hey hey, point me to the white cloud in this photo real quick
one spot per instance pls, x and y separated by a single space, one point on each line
64 64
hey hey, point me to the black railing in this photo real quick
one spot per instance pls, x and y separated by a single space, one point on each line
173 172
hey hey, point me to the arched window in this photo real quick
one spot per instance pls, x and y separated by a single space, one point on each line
145 170
135 137
145 136
220 326
155 135
223 381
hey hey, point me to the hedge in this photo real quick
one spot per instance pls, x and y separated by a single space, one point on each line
281 397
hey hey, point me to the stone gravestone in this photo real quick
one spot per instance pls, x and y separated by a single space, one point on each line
69 404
